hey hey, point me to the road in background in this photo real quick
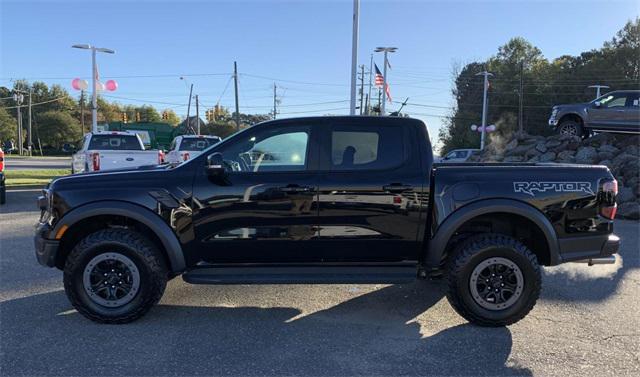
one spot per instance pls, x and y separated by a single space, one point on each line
586 323
37 163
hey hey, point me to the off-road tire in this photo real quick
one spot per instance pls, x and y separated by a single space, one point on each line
133 245
474 251
571 128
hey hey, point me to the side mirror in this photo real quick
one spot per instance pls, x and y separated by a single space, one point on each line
597 104
215 165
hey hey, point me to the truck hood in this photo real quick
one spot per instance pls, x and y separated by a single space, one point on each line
106 177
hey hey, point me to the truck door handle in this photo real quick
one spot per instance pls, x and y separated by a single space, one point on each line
397 187
292 189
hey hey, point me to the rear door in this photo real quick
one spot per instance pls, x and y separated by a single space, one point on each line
632 112
369 191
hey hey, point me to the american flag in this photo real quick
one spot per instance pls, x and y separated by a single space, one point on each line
380 82
379 77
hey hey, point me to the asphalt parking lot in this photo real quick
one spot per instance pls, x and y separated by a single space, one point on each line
586 323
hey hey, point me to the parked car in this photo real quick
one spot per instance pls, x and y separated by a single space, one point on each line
325 200
184 147
458 155
113 150
3 187
617 111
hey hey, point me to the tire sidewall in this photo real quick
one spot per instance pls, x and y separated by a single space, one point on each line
530 274
74 279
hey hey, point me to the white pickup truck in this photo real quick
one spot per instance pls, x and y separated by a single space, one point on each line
113 150
186 147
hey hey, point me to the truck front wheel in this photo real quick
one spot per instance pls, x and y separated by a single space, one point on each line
494 280
114 276
571 128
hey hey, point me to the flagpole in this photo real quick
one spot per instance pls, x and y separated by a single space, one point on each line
354 55
370 74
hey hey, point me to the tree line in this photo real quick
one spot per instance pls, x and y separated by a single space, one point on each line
58 117
520 70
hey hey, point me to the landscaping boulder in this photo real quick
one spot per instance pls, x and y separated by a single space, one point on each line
586 155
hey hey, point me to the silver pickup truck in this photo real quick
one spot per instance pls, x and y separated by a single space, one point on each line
113 150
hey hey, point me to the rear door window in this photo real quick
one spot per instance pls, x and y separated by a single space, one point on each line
370 147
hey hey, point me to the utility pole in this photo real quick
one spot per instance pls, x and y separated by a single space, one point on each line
598 87
82 110
370 85
198 114
354 55
386 50
275 99
29 140
485 104
521 97
361 88
189 109
235 84
18 98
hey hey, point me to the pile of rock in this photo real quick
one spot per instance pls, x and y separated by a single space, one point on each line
621 153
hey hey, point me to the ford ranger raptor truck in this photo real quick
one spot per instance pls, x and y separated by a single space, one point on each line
353 200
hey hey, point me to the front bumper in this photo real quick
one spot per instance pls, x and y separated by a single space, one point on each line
590 249
46 249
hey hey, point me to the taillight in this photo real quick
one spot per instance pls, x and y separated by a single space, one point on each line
608 193
160 157
95 161
185 156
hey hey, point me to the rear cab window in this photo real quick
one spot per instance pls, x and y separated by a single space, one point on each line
197 144
366 147
115 143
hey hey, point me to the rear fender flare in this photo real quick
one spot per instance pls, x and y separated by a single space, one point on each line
135 212
436 250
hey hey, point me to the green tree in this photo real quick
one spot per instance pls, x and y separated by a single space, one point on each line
56 128
8 126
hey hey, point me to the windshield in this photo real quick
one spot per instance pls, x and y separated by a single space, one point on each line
199 144
115 143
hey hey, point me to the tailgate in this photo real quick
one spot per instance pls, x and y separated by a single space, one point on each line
126 159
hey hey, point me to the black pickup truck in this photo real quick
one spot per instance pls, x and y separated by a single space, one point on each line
324 200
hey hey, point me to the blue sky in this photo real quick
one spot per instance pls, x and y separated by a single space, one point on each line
304 46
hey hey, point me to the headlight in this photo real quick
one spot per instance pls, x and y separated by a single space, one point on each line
554 112
44 204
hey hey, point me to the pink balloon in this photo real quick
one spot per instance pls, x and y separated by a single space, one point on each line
75 83
111 85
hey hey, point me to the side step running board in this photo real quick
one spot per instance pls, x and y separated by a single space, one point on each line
301 275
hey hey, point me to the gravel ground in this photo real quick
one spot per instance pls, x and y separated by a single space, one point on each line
585 324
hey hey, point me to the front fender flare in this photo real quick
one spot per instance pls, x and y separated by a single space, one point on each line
135 212
437 244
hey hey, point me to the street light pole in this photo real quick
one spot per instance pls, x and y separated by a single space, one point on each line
94 80
598 87
354 55
485 104
386 50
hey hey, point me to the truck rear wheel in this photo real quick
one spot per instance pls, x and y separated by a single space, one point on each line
494 280
114 276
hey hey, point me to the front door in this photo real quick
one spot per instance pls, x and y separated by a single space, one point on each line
264 208
370 188
609 115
